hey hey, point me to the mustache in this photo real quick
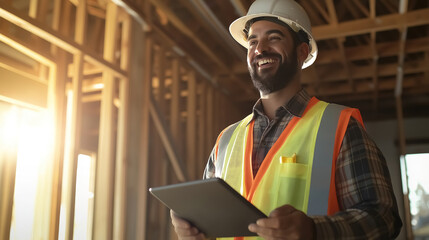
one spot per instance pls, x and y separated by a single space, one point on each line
266 55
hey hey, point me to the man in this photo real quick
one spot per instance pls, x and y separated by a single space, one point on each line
273 157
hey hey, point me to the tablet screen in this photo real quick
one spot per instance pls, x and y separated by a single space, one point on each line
211 205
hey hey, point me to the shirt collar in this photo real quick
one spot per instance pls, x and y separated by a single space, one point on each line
295 106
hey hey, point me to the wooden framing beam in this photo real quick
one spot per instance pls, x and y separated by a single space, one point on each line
352 9
160 73
341 89
191 125
312 12
322 10
18 68
143 178
358 72
345 63
403 5
361 7
162 167
363 52
185 30
340 41
361 26
53 37
119 208
373 43
72 146
175 100
43 59
58 97
201 121
104 188
8 161
389 6
239 7
210 21
73 126
365 95
209 116
168 143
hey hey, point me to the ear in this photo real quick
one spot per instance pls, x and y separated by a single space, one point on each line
302 52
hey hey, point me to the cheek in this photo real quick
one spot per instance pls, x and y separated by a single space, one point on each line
284 51
285 56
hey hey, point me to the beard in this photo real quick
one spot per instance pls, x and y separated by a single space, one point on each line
267 82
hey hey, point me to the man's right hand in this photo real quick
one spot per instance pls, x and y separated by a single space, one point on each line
184 230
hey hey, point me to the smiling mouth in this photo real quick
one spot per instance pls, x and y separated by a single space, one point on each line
265 61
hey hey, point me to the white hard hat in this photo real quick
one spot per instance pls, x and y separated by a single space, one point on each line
287 11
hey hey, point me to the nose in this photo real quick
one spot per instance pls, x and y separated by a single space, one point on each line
261 47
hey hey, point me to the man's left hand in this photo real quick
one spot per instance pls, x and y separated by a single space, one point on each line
285 222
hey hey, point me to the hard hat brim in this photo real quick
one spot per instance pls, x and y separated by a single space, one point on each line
236 29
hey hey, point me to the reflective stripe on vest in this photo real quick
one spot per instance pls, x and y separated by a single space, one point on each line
322 162
222 146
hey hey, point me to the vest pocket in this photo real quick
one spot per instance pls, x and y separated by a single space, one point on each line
293 170
292 184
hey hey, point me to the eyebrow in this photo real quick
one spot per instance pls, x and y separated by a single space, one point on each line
267 33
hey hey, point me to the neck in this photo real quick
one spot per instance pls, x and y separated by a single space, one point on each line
274 100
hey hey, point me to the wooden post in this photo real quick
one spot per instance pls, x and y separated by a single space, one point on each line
135 153
210 121
403 5
104 183
175 101
161 166
72 145
143 178
8 159
120 169
191 142
74 125
203 150
144 159
60 122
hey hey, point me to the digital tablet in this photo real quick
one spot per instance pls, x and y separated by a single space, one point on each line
211 205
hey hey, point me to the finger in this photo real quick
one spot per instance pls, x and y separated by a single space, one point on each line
187 232
282 220
184 229
253 227
179 222
268 222
265 233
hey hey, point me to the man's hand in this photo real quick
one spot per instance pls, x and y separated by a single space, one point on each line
285 222
184 230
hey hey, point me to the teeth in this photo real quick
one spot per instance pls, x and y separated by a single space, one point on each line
265 61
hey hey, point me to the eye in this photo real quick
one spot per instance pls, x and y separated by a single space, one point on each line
252 42
274 38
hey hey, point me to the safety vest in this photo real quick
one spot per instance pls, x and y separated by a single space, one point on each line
299 169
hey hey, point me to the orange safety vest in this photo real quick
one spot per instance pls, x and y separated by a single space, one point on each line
299 169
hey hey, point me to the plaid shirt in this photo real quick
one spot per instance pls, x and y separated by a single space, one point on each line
364 190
